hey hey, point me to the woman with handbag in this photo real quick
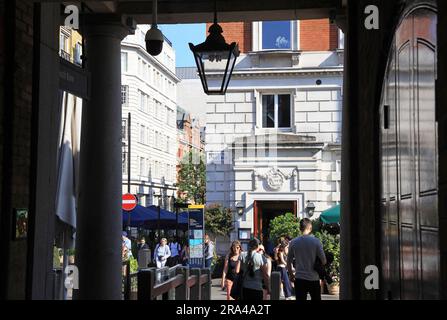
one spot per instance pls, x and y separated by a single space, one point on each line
161 253
255 269
229 271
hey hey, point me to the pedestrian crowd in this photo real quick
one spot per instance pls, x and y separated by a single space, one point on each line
165 253
246 274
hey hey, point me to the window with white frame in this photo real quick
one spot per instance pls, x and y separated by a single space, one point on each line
78 54
124 163
276 111
123 61
142 167
143 134
276 35
141 94
64 44
124 129
124 95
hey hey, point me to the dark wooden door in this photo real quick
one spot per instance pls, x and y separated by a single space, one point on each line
410 248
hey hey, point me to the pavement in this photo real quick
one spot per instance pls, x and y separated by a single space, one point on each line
218 294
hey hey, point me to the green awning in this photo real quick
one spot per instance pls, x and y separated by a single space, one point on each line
331 215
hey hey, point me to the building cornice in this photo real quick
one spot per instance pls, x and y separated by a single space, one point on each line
266 72
153 60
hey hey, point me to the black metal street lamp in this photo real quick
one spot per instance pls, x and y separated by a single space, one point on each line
215 59
310 209
240 209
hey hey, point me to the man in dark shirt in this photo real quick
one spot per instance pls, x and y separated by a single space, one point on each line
303 252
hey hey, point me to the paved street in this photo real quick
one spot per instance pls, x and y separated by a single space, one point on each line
218 294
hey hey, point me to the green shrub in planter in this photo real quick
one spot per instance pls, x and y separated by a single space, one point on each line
331 244
285 225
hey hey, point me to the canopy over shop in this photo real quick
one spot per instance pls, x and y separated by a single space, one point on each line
154 218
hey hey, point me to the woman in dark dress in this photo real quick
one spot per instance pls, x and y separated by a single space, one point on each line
229 271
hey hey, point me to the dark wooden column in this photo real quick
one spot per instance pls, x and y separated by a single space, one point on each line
365 62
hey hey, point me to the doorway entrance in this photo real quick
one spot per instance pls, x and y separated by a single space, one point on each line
265 211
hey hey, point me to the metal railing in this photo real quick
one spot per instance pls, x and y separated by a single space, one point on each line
65 55
178 283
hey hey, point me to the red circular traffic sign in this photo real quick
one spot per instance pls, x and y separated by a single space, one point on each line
129 202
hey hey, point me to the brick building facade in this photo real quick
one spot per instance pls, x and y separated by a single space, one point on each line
273 141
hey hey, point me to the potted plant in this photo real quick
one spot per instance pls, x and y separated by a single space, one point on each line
71 255
331 246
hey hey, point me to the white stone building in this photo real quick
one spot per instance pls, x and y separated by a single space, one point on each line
273 141
149 93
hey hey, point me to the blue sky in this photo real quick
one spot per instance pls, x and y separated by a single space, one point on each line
180 35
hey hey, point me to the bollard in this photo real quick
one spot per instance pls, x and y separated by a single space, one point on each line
146 283
194 292
275 285
181 292
144 258
206 289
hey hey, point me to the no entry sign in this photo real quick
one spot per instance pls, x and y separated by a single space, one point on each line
129 202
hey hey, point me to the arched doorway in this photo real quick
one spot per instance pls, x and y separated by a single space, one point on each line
409 161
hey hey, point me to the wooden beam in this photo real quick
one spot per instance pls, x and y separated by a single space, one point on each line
200 11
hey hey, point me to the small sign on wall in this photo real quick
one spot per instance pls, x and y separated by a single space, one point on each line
244 234
20 224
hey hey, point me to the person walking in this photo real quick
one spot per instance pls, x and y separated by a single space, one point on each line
303 252
175 248
229 271
282 268
142 245
209 251
128 244
184 256
162 253
262 250
255 269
